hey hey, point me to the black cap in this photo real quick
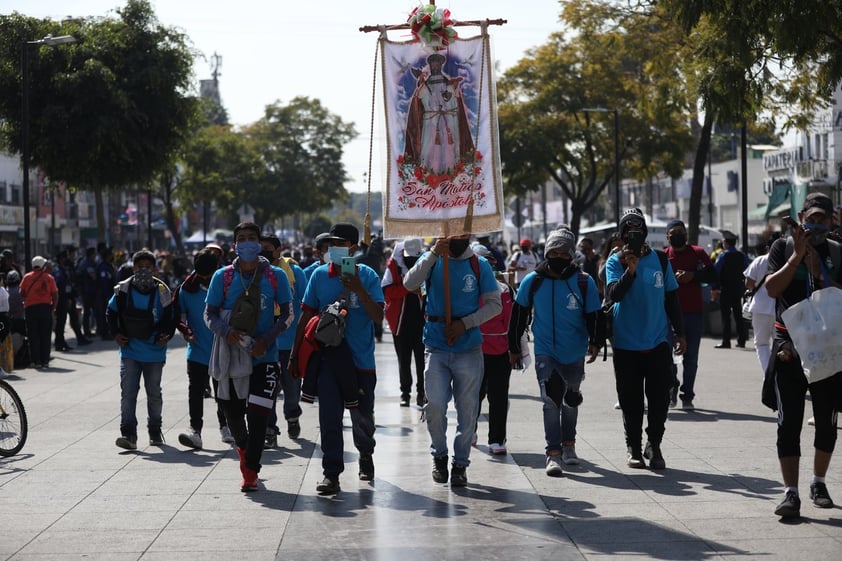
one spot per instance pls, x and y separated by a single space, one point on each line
817 203
206 262
728 236
344 231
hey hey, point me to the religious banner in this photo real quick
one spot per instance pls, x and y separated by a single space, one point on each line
442 139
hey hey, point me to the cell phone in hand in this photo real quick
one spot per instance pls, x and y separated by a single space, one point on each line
789 221
349 267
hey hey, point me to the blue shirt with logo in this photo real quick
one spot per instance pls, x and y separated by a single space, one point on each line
558 323
325 286
268 297
287 338
143 350
465 289
640 319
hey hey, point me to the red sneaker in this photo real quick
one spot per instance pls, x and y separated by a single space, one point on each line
249 480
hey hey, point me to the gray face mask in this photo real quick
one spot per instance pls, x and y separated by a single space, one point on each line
143 280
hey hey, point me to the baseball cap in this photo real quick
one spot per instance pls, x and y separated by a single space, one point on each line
38 262
343 231
413 247
816 203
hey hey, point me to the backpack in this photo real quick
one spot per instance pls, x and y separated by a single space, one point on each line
330 330
245 313
137 323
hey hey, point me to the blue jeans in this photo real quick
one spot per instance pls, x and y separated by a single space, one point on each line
693 325
559 418
130 372
456 375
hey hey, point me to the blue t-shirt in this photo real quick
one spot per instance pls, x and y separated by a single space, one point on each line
192 305
465 290
323 290
268 298
143 350
308 270
287 338
558 322
640 319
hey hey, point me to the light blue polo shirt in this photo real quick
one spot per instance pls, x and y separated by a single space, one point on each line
268 297
323 289
558 323
640 319
465 289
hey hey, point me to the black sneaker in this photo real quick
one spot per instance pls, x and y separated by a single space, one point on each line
293 428
458 477
421 400
674 397
635 458
156 437
328 486
440 469
271 440
820 496
652 452
790 507
366 468
405 400
127 442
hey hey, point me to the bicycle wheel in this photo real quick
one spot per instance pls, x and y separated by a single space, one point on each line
13 425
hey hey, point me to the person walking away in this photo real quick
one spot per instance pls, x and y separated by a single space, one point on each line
240 311
805 262
405 316
642 287
40 298
762 306
106 278
730 265
344 371
270 246
189 299
87 288
454 363
497 368
141 319
63 276
692 267
566 328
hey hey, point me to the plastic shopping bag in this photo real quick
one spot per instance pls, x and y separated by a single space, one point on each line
816 331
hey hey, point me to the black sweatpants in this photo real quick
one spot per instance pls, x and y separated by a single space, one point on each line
644 372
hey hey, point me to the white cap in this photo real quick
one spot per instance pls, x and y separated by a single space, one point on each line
38 262
413 247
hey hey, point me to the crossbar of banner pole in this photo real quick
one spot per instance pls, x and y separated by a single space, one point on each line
472 23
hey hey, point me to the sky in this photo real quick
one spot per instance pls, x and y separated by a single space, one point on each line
275 50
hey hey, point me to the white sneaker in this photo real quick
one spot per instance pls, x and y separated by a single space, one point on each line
225 433
568 455
554 468
497 449
191 439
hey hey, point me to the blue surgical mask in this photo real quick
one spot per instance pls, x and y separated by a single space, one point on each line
248 251
335 254
818 233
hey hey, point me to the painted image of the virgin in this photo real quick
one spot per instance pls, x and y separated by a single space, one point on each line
438 134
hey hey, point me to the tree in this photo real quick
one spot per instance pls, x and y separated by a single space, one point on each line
301 147
106 112
601 61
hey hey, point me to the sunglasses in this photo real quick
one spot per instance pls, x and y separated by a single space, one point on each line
636 223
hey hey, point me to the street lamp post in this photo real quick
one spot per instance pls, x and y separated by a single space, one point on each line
50 41
616 112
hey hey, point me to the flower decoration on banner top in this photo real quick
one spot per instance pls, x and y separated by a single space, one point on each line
432 26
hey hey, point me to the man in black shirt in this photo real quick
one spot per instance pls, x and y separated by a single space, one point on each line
730 265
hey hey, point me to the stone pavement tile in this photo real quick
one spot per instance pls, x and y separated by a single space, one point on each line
678 550
95 556
224 554
764 525
20 506
783 547
611 510
725 507
256 517
233 538
98 521
426 551
102 541
128 503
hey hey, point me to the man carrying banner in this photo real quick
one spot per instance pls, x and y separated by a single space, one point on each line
454 366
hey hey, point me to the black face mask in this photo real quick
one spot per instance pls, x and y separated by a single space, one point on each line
458 247
269 255
678 240
635 240
410 261
558 265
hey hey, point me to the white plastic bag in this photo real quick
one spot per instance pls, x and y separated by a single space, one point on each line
816 331
525 356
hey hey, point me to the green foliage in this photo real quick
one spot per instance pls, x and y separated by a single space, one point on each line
301 147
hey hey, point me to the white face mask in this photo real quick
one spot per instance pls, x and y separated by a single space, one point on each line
335 254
